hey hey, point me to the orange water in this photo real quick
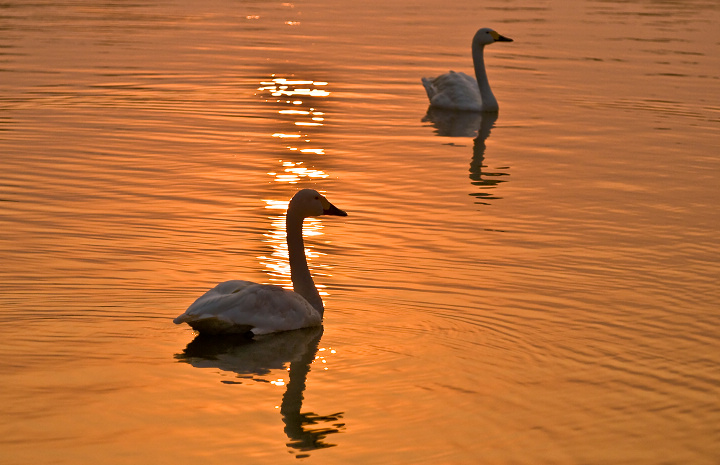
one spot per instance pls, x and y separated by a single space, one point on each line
545 292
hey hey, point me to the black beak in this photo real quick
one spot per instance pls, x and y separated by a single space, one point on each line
333 210
503 39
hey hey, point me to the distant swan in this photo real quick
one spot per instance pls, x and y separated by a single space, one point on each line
253 309
458 91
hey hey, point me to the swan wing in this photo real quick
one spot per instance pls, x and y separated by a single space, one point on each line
243 306
453 91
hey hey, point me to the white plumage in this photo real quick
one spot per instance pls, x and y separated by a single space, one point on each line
243 306
458 91
453 91
250 308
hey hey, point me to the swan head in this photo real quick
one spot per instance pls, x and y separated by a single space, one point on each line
309 202
487 36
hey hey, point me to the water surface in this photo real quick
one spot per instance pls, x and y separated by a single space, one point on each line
537 286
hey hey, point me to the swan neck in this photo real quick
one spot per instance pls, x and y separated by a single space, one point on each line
302 280
489 102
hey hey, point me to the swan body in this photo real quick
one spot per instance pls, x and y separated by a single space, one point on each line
458 91
254 309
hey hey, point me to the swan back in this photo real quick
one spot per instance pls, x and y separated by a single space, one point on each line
456 91
243 306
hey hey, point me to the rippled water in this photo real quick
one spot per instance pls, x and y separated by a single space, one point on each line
538 286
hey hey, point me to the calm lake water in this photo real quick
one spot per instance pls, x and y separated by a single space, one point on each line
534 287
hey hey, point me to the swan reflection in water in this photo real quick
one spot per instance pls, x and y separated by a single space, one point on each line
258 357
449 123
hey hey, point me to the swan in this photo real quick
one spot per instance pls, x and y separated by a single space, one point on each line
458 91
254 309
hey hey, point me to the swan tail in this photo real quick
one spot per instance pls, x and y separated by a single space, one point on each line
429 88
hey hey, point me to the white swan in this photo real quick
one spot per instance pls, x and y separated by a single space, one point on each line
458 91
250 308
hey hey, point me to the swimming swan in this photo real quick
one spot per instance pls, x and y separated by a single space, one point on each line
458 91
254 309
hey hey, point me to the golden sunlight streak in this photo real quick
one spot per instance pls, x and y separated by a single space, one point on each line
322 356
293 172
286 136
277 264
279 87
302 115
298 101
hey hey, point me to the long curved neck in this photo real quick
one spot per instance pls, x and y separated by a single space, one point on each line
302 280
489 103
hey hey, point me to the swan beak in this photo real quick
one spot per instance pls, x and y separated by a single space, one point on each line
503 39
333 210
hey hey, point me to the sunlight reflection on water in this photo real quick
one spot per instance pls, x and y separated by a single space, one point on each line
302 96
